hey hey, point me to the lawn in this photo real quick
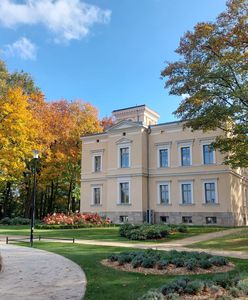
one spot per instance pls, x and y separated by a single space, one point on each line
232 242
106 283
103 233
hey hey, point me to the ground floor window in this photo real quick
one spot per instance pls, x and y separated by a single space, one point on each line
187 219
164 219
211 220
124 193
123 219
96 195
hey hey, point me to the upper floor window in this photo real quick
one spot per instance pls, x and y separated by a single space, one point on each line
97 163
186 190
208 154
163 158
96 195
163 194
124 157
210 192
124 193
185 156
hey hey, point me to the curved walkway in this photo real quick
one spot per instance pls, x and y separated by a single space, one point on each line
36 274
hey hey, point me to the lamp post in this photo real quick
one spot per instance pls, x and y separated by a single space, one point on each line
36 153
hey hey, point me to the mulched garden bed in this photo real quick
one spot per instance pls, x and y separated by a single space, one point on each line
170 269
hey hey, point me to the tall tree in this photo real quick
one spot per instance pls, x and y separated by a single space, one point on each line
212 74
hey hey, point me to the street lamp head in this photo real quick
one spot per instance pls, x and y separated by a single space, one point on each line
36 153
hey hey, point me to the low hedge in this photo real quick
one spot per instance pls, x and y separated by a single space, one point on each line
221 286
161 260
74 226
15 221
148 231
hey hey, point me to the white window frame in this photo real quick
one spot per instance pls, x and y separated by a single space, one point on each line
119 181
119 155
215 181
158 156
183 145
214 156
181 192
92 194
158 192
93 161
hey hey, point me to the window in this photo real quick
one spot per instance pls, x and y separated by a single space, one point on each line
210 193
164 219
123 219
97 163
163 193
185 156
96 195
208 155
187 219
124 192
186 190
163 158
124 157
211 220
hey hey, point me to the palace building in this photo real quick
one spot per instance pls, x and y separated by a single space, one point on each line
142 171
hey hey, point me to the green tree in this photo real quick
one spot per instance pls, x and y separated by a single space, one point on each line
212 74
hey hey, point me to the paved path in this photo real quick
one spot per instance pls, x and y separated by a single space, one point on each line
32 274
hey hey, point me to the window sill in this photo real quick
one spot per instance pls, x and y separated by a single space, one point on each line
207 204
186 204
96 205
164 204
123 204
124 168
167 167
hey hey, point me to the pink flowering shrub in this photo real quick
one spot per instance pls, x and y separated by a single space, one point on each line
75 219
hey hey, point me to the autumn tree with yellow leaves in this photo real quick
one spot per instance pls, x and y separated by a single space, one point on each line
28 122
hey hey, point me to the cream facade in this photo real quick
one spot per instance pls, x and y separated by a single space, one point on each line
139 170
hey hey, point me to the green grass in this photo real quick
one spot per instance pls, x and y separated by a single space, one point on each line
102 234
232 242
106 283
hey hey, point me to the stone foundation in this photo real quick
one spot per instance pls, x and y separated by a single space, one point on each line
198 218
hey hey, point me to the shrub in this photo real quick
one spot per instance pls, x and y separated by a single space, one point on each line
218 261
194 287
148 262
191 264
173 296
75 219
226 280
177 286
113 257
178 262
243 286
235 292
152 295
205 264
182 228
125 228
15 221
162 264
136 234
137 261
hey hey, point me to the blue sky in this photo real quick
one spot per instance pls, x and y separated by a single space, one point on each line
106 52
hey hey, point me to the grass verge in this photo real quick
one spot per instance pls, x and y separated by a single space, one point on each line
110 234
232 242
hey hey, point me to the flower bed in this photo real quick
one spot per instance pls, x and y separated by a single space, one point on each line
77 220
221 287
171 262
148 231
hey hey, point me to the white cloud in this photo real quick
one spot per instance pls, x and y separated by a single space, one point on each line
23 48
66 19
